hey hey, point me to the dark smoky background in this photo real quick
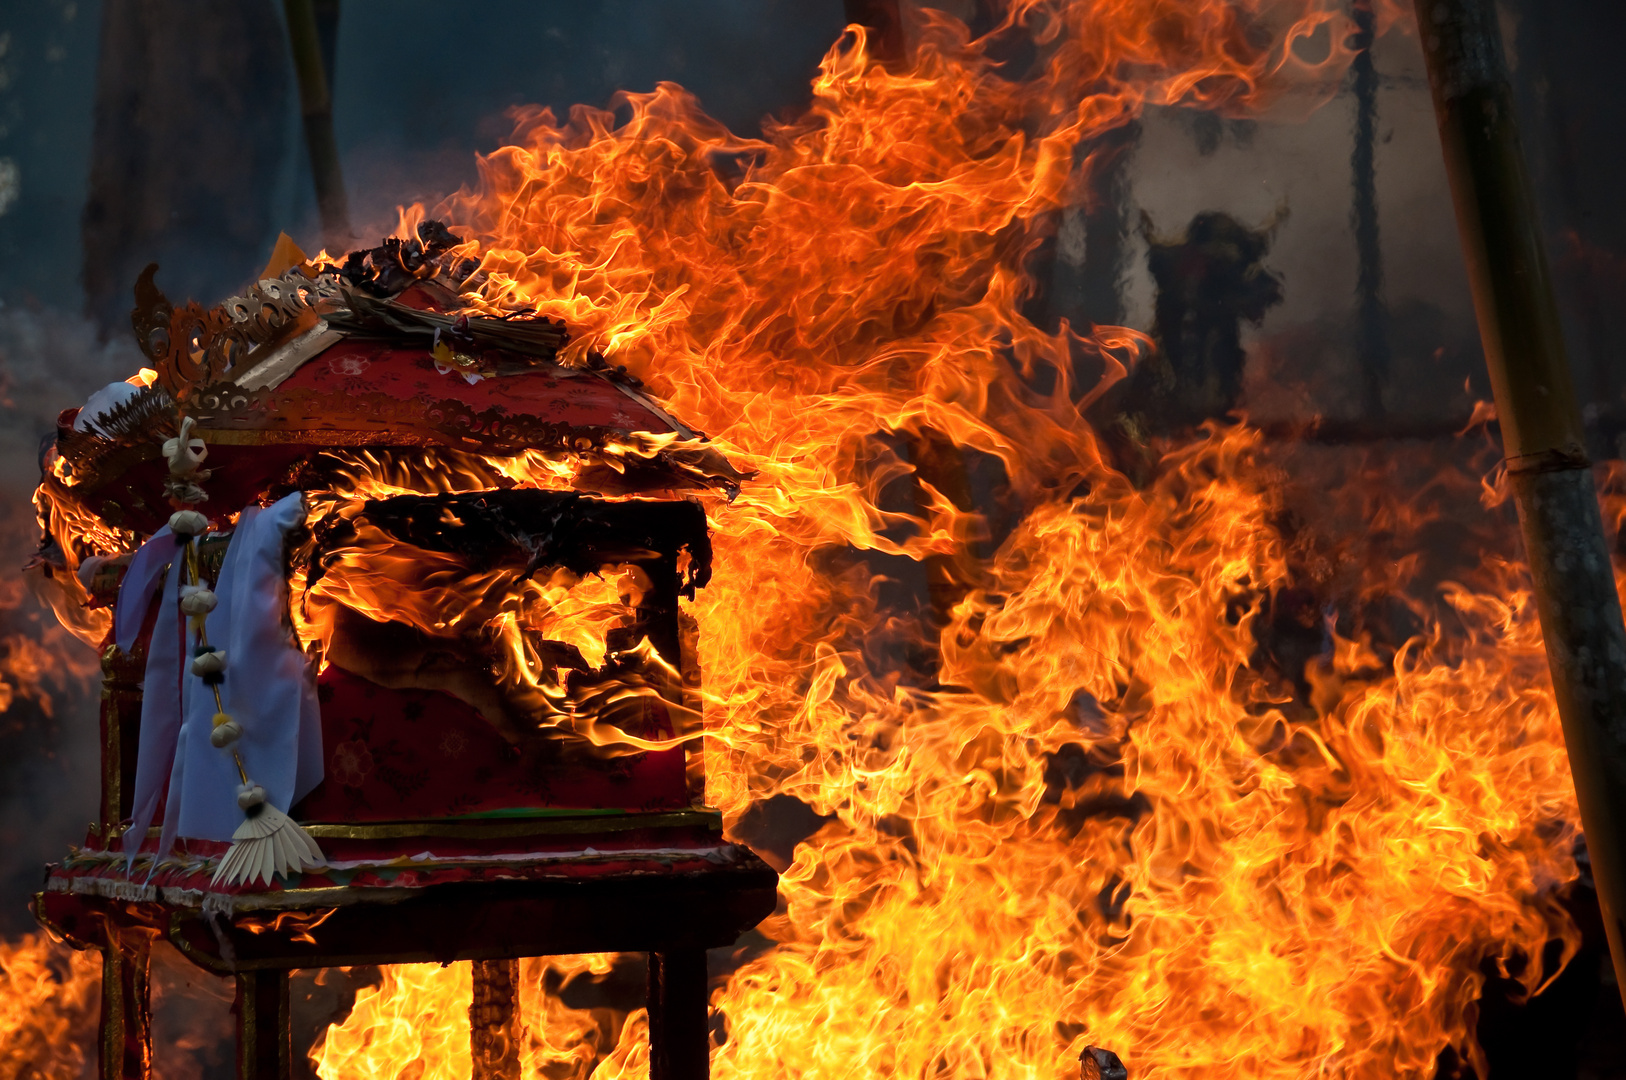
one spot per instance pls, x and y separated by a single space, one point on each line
1303 271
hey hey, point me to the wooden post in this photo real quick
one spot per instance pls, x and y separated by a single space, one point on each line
494 1020
264 1030
125 1037
121 734
679 1024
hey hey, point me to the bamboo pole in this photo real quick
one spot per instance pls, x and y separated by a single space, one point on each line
316 106
1542 435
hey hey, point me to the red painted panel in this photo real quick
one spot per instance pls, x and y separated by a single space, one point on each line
414 755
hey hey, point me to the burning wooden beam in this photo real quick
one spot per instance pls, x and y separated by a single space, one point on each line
494 1020
126 1011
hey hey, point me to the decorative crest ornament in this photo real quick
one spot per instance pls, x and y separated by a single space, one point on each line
190 346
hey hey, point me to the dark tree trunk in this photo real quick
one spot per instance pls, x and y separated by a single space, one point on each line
191 118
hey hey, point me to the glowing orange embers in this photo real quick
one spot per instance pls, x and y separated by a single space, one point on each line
1078 801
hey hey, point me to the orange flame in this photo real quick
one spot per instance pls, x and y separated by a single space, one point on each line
415 1023
48 997
535 633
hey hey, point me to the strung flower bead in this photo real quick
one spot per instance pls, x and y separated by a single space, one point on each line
188 523
185 453
212 662
225 732
250 794
197 600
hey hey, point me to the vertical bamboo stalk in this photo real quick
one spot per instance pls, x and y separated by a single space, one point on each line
1541 425
316 105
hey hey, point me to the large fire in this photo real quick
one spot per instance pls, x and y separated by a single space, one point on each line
1073 803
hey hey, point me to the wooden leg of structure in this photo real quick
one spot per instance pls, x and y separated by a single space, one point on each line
264 1042
125 1044
494 1028
679 1026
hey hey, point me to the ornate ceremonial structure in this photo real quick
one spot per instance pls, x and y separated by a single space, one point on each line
395 663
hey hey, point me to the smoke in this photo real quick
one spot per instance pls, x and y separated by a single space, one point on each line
1294 178
49 748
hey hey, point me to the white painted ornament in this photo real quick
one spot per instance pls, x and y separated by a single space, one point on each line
102 404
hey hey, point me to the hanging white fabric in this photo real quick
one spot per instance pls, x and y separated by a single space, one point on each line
269 689
161 684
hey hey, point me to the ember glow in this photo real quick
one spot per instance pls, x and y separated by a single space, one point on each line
1068 806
